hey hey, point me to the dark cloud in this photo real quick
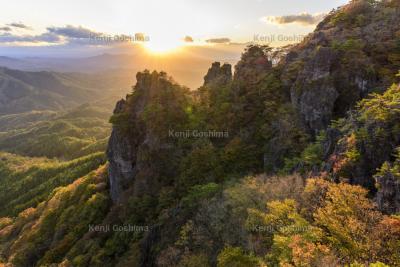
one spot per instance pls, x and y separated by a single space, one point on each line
54 35
5 29
73 32
19 25
70 35
45 37
49 38
188 39
303 19
218 40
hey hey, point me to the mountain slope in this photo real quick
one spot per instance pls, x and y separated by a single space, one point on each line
64 135
22 91
45 233
41 176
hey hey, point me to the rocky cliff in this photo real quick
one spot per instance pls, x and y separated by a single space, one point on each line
121 154
353 52
388 195
218 75
140 150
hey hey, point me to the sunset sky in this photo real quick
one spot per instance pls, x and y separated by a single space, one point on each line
49 22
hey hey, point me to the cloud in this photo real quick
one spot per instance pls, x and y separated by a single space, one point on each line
45 37
68 35
19 25
304 19
218 40
5 29
53 35
73 32
188 39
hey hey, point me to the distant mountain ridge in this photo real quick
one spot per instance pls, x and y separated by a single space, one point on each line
23 91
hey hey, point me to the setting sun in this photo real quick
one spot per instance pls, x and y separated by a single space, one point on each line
163 46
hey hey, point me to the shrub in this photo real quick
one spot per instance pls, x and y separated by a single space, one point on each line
236 257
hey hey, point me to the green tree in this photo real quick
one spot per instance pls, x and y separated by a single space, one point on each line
236 257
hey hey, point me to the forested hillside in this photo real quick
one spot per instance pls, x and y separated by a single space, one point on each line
51 150
22 91
64 135
41 176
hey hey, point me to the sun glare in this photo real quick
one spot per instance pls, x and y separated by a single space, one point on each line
163 46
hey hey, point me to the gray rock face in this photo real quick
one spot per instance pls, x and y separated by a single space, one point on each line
218 75
316 105
121 170
313 94
122 159
388 195
323 89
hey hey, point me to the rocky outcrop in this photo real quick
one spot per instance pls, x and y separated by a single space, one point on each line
121 154
140 153
388 195
313 94
341 62
218 75
324 90
253 66
122 157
